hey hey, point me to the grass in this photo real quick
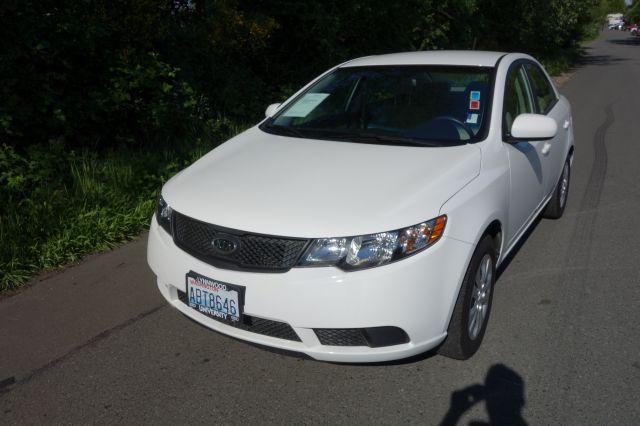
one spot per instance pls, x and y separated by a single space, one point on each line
99 203
67 205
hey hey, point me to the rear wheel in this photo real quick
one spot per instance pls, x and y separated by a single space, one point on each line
558 201
471 313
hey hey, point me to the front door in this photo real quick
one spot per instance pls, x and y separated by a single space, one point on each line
546 103
526 189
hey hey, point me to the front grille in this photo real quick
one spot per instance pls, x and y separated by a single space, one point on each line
253 252
257 325
341 336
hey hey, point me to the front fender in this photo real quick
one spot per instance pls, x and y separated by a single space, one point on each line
484 200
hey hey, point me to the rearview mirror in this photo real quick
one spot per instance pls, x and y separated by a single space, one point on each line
534 127
271 109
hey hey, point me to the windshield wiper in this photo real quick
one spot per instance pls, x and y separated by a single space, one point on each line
363 137
284 130
369 137
404 140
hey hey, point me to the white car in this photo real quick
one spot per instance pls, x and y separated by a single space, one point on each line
364 218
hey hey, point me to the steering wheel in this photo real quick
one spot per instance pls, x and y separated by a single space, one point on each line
457 123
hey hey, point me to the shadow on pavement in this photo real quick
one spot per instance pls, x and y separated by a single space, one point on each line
514 251
587 58
600 59
631 41
502 392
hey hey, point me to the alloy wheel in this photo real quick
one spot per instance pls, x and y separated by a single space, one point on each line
564 185
481 296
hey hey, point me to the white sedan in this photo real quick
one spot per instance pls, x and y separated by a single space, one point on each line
364 218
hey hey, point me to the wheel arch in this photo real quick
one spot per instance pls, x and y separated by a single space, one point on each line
570 154
495 231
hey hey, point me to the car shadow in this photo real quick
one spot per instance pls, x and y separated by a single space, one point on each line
410 360
502 393
516 249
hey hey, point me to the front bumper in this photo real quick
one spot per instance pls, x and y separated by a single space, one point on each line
416 294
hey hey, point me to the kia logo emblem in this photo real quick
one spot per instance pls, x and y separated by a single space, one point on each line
224 245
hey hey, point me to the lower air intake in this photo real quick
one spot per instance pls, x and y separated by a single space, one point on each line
373 337
258 325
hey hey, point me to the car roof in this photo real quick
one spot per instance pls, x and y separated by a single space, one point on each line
433 57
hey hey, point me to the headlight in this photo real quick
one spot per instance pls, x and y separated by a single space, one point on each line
163 214
366 251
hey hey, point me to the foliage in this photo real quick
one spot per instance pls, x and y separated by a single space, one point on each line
100 73
57 206
633 14
144 101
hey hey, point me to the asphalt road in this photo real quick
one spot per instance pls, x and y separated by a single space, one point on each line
95 343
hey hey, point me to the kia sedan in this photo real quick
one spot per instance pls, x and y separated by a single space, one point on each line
364 218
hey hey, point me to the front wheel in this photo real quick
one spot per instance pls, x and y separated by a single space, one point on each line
471 313
558 201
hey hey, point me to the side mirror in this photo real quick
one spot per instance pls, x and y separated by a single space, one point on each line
534 127
271 109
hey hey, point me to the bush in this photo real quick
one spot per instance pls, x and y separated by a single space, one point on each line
57 205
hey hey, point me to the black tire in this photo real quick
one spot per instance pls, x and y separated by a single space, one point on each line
463 339
558 201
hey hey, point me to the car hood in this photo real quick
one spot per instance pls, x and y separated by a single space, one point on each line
278 185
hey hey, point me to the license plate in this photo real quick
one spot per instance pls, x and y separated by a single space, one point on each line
216 299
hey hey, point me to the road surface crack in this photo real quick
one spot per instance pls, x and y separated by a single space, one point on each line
91 342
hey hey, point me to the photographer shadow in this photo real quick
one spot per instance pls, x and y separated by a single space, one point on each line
503 394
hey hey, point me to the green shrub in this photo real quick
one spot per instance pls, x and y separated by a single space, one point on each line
56 206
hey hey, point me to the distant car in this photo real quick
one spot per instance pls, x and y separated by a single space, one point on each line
616 25
364 219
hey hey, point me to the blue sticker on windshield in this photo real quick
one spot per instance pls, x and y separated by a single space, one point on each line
474 96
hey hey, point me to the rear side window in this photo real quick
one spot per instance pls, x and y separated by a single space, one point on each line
543 93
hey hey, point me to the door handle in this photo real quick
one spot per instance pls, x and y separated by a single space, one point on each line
546 148
566 124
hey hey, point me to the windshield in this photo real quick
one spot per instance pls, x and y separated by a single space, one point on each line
411 105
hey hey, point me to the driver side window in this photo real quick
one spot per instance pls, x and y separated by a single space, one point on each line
517 98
